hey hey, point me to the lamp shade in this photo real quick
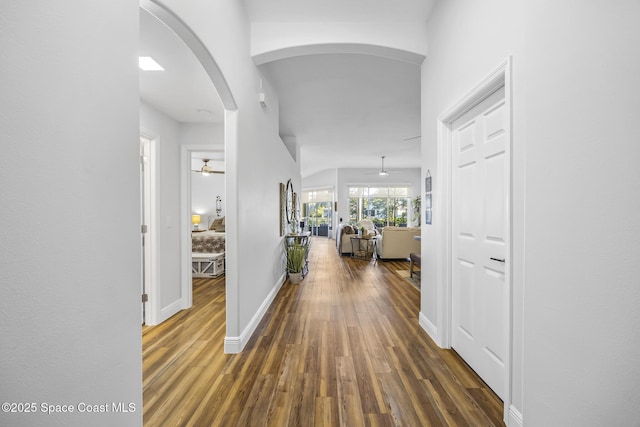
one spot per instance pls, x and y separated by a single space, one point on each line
195 219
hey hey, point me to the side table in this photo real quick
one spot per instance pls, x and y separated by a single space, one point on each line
363 248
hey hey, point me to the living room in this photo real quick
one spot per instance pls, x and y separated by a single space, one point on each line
354 194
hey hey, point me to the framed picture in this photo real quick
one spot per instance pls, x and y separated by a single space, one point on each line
283 209
427 216
427 201
427 183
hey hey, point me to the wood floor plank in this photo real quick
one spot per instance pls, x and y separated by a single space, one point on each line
349 401
343 347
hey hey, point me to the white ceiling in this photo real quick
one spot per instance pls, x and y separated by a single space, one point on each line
183 91
344 110
338 10
348 110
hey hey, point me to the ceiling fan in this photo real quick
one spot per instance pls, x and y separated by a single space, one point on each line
383 171
207 170
411 138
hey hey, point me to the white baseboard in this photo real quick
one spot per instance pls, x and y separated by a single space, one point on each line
170 310
429 328
234 345
515 417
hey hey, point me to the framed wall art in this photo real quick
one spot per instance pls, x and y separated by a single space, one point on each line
428 202
283 209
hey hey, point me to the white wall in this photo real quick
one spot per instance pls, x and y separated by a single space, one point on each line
575 276
324 179
70 297
204 190
255 165
210 134
467 40
582 281
405 41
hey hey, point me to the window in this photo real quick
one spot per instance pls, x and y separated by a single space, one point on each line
317 207
383 205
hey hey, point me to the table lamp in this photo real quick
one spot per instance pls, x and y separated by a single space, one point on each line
195 220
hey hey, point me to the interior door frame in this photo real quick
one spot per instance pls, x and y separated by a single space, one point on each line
500 76
152 306
185 221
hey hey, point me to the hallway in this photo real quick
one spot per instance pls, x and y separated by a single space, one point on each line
341 348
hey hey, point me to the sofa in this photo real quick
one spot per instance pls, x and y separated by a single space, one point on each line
398 242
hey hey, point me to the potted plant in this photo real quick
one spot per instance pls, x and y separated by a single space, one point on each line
416 210
296 257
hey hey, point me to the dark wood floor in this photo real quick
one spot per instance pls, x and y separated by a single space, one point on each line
342 348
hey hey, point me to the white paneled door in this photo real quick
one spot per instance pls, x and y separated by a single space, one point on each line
479 232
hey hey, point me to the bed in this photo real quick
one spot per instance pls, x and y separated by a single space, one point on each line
208 242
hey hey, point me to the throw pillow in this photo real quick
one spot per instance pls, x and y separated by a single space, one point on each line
217 223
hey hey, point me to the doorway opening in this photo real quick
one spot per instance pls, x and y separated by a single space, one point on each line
317 211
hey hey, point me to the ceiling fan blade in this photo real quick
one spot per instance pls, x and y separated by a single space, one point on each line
412 138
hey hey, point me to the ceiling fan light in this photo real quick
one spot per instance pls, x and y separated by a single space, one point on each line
383 173
206 170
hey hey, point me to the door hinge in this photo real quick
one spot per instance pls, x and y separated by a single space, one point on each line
143 229
145 297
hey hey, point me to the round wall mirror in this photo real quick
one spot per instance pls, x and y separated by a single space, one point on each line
289 201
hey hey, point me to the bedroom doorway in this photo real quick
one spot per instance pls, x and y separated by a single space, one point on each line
204 189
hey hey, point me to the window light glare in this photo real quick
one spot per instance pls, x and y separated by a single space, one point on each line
147 63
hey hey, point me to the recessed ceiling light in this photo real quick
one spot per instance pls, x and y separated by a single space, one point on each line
147 63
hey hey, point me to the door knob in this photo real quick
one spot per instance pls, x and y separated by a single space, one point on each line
496 259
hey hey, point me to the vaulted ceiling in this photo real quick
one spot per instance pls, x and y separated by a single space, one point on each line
344 110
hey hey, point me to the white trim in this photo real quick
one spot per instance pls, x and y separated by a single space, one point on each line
442 209
233 345
185 219
236 344
186 284
500 76
515 418
153 309
232 268
429 327
170 310
197 47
